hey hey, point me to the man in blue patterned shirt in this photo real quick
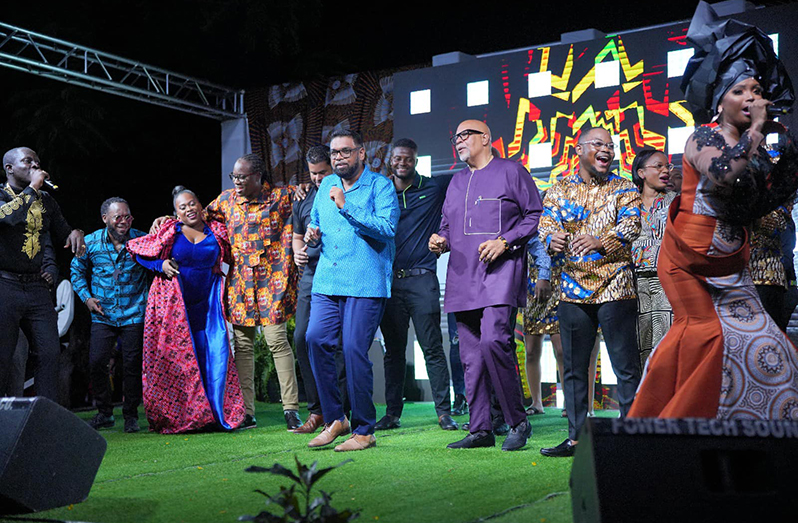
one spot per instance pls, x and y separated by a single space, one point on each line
354 217
114 288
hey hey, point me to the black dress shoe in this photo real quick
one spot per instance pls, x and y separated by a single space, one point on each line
248 423
563 450
473 441
447 423
501 430
292 419
466 426
518 436
388 422
460 406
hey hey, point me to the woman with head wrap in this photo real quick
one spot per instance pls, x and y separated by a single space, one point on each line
724 357
190 379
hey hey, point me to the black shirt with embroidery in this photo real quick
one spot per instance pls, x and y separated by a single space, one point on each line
26 217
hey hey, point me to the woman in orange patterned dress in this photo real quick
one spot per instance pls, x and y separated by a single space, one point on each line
724 357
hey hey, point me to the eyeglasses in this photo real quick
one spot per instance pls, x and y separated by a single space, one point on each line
463 135
599 145
659 166
123 218
346 152
240 177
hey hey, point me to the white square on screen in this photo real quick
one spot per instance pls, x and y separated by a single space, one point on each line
677 61
539 155
616 139
608 74
539 84
420 101
424 167
775 38
477 93
677 138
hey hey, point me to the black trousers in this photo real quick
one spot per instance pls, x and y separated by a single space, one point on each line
416 298
103 340
578 327
773 297
303 358
29 306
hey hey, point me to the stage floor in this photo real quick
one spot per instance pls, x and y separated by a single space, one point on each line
410 477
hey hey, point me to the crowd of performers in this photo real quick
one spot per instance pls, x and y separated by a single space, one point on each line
680 271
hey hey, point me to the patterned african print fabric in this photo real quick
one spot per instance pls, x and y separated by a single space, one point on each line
175 398
724 356
654 314
653 308
286 119
766 265
261 286
541 317
645 248
608 210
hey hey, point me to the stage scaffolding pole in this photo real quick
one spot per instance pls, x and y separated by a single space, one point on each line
34 53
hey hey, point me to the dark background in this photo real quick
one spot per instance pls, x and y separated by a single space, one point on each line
97 145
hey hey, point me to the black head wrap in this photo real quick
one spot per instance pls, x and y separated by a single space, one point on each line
726 53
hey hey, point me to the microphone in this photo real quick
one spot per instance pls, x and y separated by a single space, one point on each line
775 111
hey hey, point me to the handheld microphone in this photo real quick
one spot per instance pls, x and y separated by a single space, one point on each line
775 111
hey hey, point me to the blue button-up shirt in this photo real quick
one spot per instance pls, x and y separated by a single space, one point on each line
114 278
357 242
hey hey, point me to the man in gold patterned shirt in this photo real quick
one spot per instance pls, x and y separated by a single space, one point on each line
591 218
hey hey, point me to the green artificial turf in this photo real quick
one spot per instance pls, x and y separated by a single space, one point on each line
410 477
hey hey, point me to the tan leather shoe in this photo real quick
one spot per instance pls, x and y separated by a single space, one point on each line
311 425
357 442
330 432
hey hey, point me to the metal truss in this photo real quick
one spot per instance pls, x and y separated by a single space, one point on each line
35 53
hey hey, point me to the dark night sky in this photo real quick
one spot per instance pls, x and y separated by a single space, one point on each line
98 145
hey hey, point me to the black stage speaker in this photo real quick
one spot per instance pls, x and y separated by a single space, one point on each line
668 470
48 456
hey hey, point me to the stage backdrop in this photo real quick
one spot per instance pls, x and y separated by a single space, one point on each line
535 99
285 120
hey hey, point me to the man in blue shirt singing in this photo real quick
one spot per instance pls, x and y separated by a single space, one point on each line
354 217
114 288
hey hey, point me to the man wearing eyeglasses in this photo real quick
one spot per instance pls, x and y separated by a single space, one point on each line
354 217
491 211
114 288
592 217
261 286
415 292
30 219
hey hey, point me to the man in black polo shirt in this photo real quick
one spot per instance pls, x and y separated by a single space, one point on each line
318 158
415 292
27 216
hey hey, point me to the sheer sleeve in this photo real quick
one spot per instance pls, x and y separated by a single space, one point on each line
708 152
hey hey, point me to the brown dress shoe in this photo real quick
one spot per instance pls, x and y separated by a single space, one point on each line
311 425
357 442
330 432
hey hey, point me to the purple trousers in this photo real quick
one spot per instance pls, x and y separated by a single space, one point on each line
487 350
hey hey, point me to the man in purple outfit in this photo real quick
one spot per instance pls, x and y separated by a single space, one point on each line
491 211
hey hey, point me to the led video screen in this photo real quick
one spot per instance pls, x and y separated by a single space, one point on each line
535 100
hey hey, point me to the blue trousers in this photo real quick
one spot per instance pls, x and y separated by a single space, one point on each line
355 320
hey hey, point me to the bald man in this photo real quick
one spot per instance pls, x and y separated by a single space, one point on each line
27 215
491 211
